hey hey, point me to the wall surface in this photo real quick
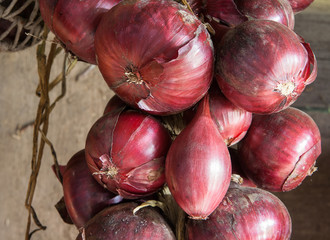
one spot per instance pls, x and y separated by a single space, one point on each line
84 101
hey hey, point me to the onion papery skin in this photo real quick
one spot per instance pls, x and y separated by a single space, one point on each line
155 55
299 5
237 170
119 222
235 12
263 67
74 23
198 168
232 121
245 213
83 196
126 153
280 149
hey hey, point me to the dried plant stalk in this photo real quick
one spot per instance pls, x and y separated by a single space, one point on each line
41 123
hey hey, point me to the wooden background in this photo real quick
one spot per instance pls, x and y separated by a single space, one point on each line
309 204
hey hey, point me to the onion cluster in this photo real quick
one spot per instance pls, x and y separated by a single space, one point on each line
181 100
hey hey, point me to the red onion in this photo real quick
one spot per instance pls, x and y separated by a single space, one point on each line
75 22
300 5
155 55
119 222
263 67
198 168
232 121
126 153
280 149
245 213
237 171
83 196
235 12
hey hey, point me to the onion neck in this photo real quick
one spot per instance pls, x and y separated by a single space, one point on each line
133 77
286 88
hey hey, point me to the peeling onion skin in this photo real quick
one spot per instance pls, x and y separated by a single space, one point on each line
155 55
119 223
280 149
274 66
235 12
74 23
126 150
198 168
300 5
232 121
83 196
246 213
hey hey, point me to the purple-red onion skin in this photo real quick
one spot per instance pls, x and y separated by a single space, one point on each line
198 168
232 121
75 22
300 5
155 55
83 196
114 104
245 213
263 67
118 222
280 149
126 153
235 12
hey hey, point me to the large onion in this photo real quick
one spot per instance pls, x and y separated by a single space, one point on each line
155 55
74 23
83 196
245 213
262 66
198 167
235 12
126 151
280 149
118 222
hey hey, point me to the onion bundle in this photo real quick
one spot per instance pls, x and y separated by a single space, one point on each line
158 58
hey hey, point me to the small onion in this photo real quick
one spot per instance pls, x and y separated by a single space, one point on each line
155 55
74 23
232 121
245 213
198 168
119 222
235 12
126 151
280 149
83 196
300 5
263 67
